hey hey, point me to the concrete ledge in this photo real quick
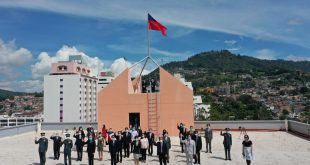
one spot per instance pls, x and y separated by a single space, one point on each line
249 125
63 126
16 130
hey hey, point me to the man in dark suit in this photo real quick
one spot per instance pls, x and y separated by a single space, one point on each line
120 141
208 137
68 144
79 142
162 151
227 142
198 144
167 140
151 139
43 145
56 145
113 148
91 148
181 127
126 142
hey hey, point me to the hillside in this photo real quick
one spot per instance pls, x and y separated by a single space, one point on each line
6 93
217 67
219 61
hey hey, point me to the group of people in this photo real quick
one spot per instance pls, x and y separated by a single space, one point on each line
191 143
134 140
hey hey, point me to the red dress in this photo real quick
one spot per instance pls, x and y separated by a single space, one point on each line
104 132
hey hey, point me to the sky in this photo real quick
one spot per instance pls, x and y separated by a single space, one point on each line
34 34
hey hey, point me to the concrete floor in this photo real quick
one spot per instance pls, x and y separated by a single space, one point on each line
270 148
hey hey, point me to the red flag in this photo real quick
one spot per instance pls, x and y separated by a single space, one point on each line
154 25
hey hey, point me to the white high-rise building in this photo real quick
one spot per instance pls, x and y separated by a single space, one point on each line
70 92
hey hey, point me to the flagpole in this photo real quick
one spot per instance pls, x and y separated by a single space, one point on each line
148 40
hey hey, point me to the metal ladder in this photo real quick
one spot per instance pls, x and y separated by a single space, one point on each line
152 112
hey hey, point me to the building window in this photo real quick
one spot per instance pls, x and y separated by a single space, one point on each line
61 98
61 80
62 68
61 86
61 92
61 105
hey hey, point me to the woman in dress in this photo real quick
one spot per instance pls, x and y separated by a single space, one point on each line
136 150
144 146
100 144
247 149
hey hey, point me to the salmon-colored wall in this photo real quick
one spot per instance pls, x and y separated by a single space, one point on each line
117 100
176 103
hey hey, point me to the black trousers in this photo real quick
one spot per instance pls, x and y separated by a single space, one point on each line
227 153
131 147
42 158
182 146
197 157
208 145
119 156
91 158
162 159
248 162
56 152
113 158
143 153
67 156
79 151
150 150
126 150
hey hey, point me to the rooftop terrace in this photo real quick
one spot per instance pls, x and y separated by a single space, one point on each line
270 148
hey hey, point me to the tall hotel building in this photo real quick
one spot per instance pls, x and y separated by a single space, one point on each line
70 92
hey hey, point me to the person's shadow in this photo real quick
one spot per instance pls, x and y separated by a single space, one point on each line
216 157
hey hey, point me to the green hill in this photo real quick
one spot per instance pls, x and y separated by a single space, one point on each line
6 93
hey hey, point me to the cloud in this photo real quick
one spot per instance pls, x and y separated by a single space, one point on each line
11 58
43 66
120 64
230 42
265 54
295 21
23 85
233 17
292 57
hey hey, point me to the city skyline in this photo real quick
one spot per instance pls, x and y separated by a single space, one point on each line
33 34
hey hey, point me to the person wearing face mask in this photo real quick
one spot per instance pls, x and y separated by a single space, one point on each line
43 145
126 142
182 135
134 133
91 148
56 145
151 140
79 142
68 144
227 142
190 149
208 138
198 143
113 147
100 143
136 149
144 146
168 142
110 134
247 149
120 141
162 151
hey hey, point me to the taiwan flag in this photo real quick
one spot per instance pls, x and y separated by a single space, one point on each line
154 25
